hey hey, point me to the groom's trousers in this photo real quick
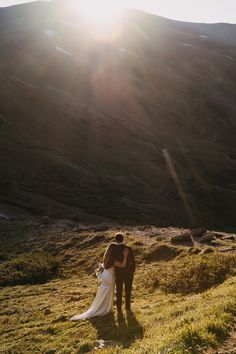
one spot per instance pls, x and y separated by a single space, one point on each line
121 280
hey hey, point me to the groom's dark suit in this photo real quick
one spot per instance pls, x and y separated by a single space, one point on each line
124 276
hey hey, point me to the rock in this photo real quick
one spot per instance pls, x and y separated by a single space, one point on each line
229 238
101 344
228 249
198 233
182 239
217 235
207 250
208 238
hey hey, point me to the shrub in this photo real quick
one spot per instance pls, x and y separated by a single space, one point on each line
28 269
191 274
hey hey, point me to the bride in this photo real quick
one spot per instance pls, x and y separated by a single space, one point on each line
103 302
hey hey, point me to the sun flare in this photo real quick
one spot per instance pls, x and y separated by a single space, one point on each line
102 15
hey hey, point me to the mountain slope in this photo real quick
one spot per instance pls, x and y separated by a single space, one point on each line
104 127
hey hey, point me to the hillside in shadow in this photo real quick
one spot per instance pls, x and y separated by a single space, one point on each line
138 127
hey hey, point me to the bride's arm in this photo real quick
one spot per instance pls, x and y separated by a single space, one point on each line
107 258
123 263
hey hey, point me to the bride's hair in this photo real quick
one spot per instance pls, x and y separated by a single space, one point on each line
109 256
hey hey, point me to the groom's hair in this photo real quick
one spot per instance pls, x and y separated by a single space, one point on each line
119 238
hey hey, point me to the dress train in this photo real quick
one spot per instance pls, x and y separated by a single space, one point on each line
103 302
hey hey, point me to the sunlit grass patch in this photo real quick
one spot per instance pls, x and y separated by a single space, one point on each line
35 318
191 274
189 324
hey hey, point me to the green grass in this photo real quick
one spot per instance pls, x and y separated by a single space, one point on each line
191 274
28 269
34 318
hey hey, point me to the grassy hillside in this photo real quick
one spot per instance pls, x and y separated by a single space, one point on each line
183 297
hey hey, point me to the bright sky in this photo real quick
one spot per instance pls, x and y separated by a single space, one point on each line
184 10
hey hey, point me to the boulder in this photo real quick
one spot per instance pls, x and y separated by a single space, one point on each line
198 233
182 239
207 238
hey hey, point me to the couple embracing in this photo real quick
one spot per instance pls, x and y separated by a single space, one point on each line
117 270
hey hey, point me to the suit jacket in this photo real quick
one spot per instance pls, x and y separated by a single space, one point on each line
130 264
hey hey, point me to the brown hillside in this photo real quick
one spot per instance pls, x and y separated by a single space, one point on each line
96 126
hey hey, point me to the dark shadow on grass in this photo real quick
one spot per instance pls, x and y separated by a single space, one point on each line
106 327
126 329
134 328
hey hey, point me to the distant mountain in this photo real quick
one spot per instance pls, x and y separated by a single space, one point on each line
140 128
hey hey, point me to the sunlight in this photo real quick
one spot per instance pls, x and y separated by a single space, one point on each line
103 16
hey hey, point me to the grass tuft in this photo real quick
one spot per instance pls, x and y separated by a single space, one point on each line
85 348
218 328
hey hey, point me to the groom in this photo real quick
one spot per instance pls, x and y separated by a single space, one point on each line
124 276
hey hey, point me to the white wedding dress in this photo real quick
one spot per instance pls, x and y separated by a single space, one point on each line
103 302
